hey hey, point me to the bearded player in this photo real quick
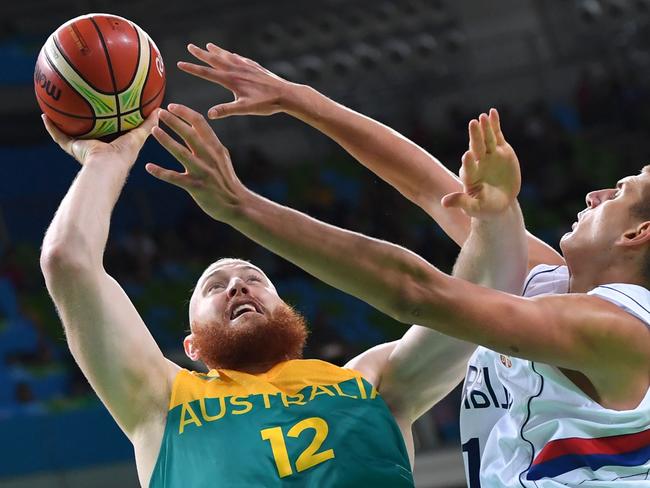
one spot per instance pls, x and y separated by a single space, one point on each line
261 416
250 339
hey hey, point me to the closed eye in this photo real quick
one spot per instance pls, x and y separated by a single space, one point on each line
619 190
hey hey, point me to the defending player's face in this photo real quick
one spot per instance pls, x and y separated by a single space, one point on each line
238 319
608 215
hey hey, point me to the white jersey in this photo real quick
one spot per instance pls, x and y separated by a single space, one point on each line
525 424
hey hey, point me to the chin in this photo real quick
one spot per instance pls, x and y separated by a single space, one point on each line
568 240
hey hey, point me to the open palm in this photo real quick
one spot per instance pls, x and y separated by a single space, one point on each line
490 171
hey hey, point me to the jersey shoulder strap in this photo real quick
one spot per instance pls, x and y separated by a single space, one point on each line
634 299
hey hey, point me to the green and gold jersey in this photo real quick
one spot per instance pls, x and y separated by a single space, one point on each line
304 423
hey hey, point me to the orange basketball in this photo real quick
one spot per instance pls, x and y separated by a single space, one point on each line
99 75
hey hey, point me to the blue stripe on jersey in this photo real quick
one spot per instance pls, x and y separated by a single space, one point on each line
569 462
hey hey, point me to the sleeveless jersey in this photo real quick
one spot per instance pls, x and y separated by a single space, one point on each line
546 432
304 423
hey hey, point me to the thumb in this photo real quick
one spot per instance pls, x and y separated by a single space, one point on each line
459 200
238 107
57 136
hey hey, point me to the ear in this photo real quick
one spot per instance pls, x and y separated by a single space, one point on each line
636 237
190 351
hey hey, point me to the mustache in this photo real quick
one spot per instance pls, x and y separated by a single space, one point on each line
263 341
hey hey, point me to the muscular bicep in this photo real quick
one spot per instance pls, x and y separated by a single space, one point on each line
113 347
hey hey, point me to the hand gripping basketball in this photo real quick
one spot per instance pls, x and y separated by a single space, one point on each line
125 148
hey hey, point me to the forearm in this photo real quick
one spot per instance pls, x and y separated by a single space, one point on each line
495 253
81 224
407 167
367 268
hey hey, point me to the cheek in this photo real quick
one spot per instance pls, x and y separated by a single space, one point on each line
210 306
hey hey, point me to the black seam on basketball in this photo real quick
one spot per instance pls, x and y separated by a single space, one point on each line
137 62
110 70
74 68
146 78
86 118
53 67
162 89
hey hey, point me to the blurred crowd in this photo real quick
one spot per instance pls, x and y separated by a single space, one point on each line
566 148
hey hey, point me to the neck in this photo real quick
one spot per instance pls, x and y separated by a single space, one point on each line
588 276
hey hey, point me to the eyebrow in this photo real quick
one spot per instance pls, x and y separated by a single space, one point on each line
218 271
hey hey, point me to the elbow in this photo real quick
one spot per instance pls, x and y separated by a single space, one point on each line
59 261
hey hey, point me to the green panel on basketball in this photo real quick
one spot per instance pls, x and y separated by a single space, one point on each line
99 75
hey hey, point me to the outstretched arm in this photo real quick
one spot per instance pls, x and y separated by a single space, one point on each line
106 336
416 174
572 331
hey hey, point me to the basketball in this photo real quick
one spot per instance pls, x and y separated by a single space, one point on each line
99 75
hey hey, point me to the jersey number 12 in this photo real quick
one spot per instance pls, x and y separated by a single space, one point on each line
310 457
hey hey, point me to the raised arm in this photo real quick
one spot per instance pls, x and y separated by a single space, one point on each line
106 336
411 170
487 258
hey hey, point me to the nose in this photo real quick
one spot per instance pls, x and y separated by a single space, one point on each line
595 198
236 287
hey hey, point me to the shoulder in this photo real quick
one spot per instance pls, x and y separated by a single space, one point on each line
371 363
601 323
632 299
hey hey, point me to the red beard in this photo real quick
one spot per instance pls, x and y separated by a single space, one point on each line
253 346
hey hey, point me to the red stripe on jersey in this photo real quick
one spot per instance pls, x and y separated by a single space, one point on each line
617 444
